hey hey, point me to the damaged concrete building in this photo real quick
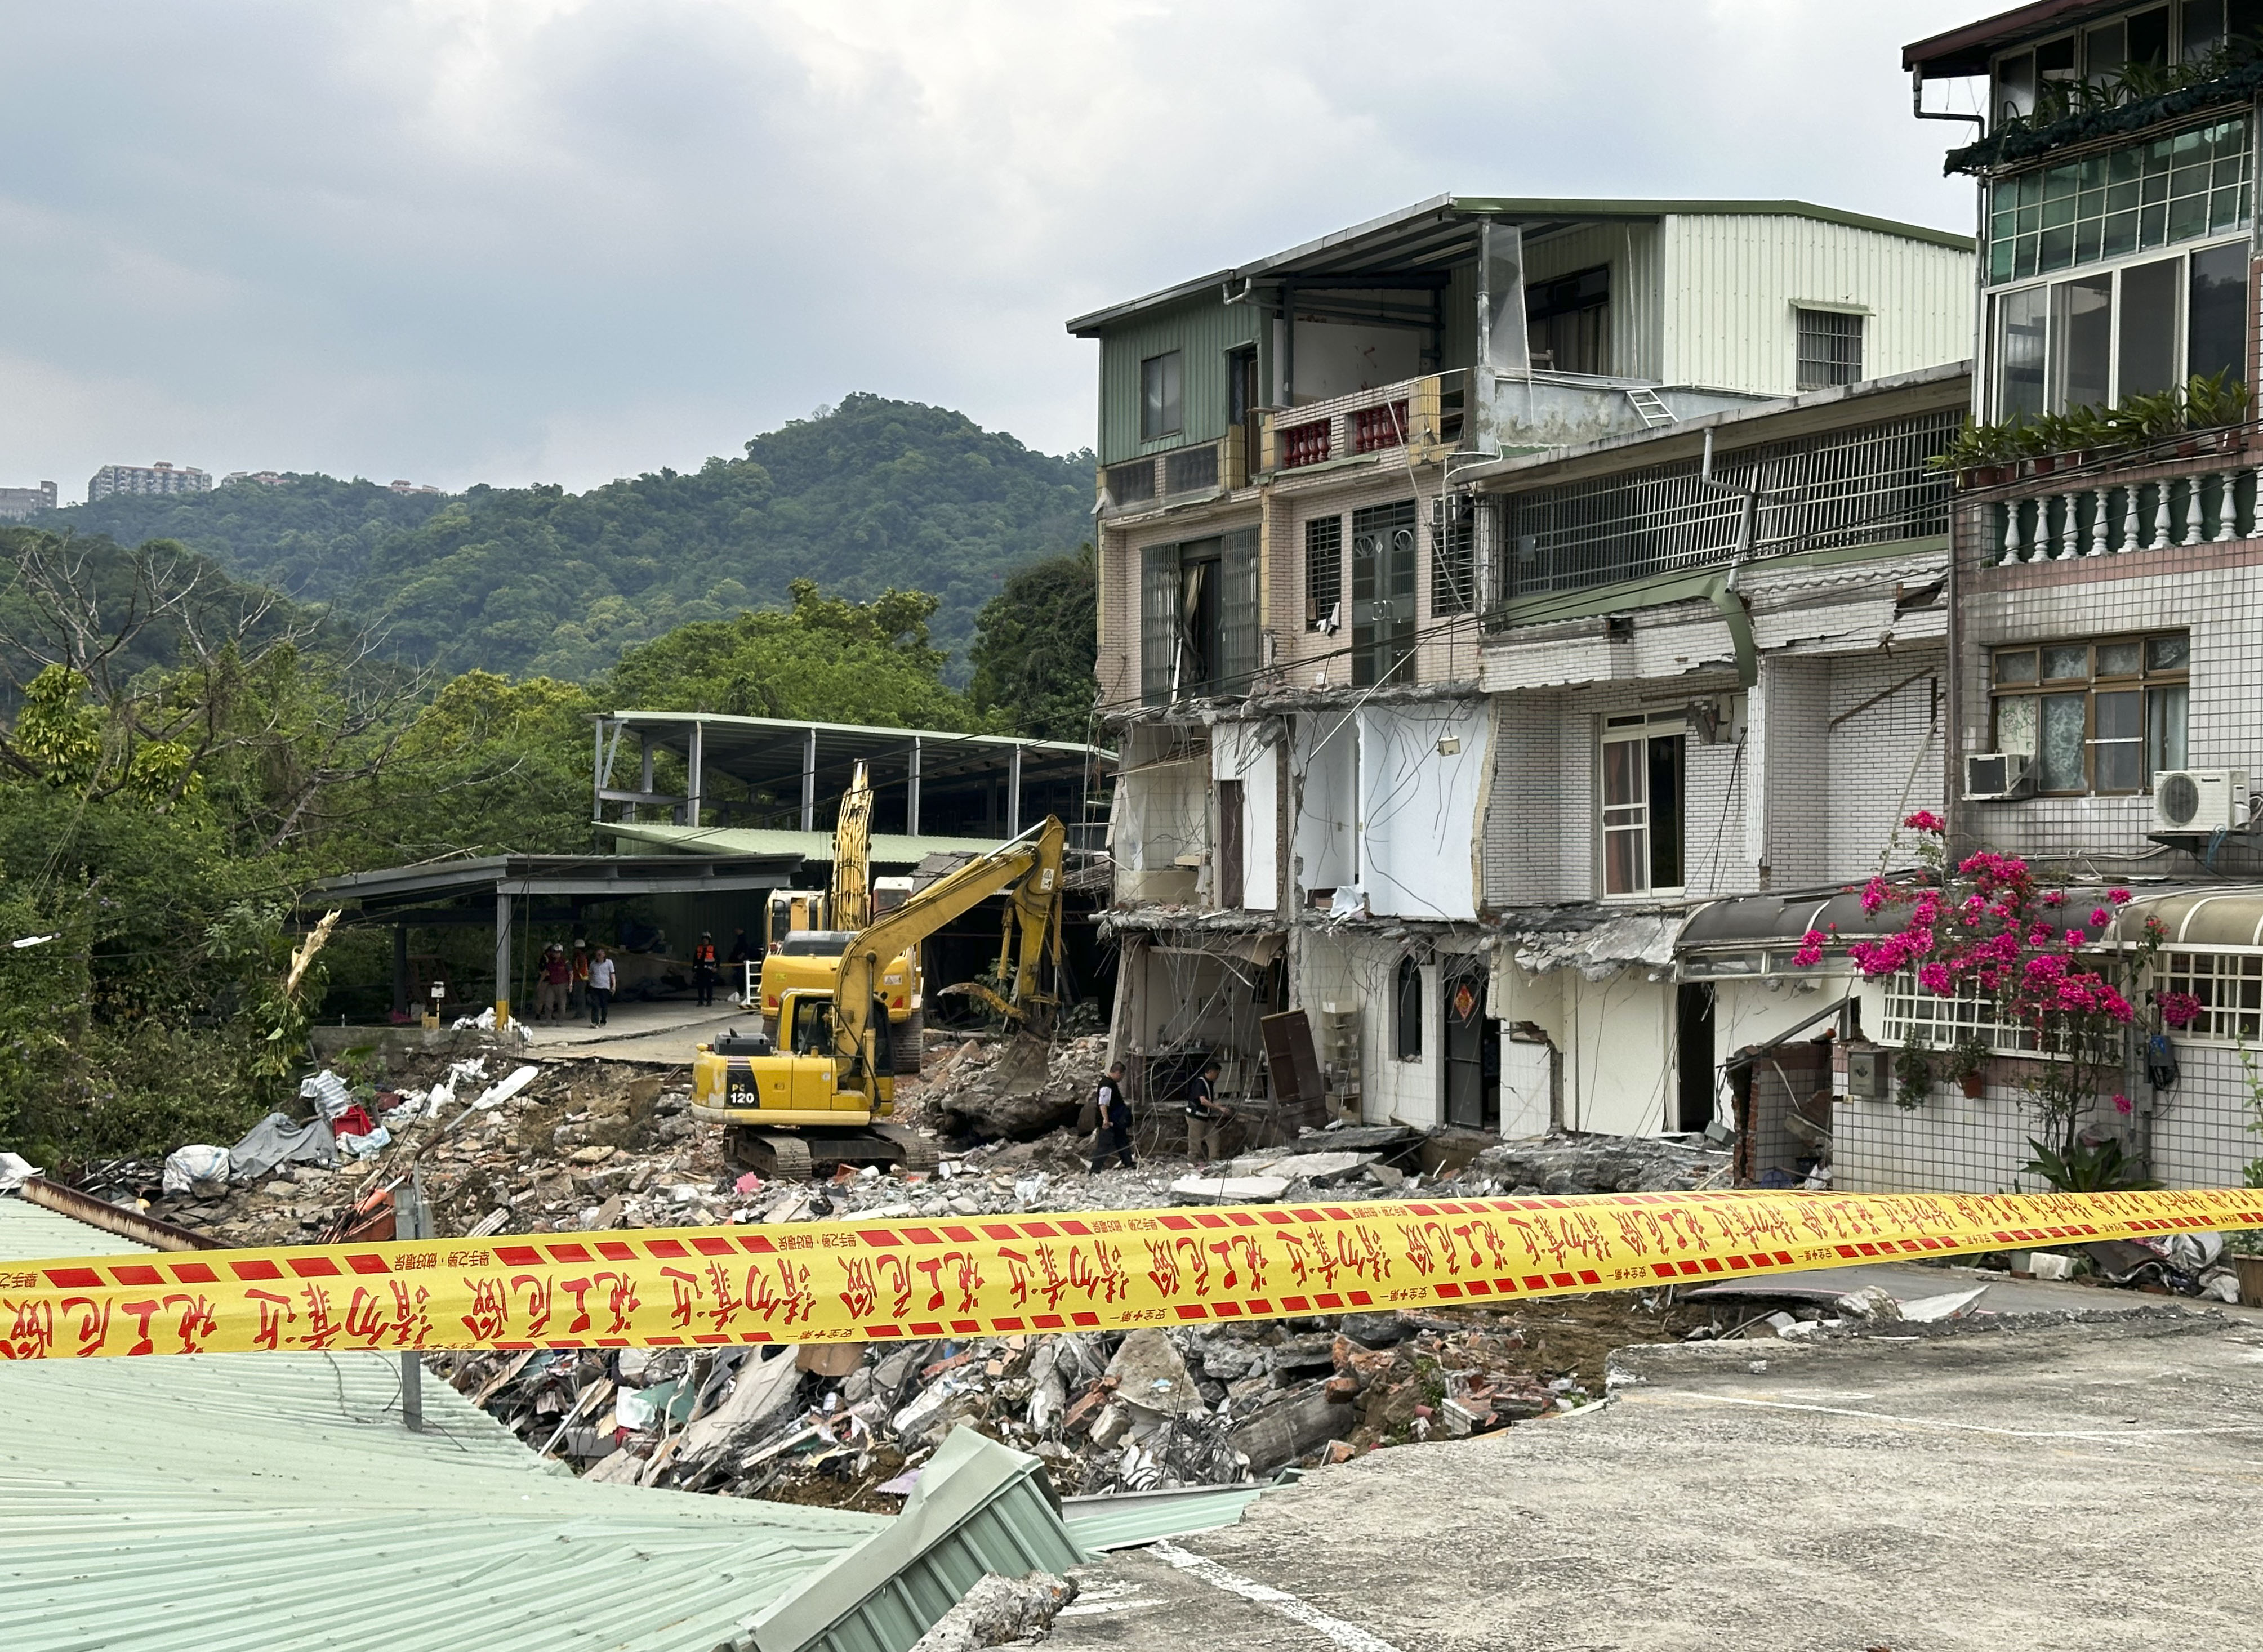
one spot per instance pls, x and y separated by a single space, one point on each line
1434 658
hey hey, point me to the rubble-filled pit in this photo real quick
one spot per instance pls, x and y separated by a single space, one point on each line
499 1144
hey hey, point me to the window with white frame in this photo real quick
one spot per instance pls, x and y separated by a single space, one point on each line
1642 765
1915 1015
2228 986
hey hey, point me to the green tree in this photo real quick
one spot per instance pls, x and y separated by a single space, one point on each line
1036 646
824 659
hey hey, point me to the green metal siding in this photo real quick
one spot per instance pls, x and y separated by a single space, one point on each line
1204 328
242 1502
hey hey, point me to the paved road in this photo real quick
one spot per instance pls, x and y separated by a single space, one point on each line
2037 1486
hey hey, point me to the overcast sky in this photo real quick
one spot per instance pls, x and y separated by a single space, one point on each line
568 240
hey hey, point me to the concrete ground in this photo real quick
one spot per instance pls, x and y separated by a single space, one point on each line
663 1030
2025 1483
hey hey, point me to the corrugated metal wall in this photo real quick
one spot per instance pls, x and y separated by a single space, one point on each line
1632 250
1203 327
1732 282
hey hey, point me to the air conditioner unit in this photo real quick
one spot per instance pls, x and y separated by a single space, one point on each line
1996 776
2200 800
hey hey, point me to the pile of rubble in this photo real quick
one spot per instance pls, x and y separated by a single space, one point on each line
1108 1411
1014 1089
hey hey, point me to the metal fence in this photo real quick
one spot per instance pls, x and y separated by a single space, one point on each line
1865 485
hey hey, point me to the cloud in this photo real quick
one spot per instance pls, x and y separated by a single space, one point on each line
567 239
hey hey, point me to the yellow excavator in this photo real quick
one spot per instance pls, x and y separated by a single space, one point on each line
803 958
824 1092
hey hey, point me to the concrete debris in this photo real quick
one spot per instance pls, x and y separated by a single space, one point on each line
1014 1090
999 1612
1228 1190
1603 1163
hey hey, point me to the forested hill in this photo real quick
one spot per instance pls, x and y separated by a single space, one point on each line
535 580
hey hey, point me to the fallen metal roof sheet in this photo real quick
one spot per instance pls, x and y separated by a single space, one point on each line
1132 1519
888 848
210 1501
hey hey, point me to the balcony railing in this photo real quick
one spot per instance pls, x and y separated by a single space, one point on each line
2093 515
1421 413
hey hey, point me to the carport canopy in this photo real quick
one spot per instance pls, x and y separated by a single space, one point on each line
455 892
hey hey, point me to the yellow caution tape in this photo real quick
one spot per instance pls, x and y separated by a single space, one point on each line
854 1281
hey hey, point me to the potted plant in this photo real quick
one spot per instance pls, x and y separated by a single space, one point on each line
1912 1074
1968 1064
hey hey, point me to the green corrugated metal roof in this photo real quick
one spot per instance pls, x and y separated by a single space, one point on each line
979 1507
1130 1519
888 848
235 1501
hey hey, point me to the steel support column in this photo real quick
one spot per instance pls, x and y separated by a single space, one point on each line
502 961
809 780
695 785
1014 794
911 791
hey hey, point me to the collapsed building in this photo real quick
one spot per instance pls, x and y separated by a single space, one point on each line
1484 589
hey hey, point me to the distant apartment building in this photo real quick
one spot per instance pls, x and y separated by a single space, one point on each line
16 503
400 487
163 477
265 479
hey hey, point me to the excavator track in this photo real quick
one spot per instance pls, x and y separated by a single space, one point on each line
773 1154
918 1152
907 1040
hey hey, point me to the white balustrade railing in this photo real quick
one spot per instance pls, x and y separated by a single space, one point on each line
2097 516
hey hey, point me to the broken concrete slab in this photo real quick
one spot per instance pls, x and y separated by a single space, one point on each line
1322 1170
1228 1190
1280 1435
1149 1372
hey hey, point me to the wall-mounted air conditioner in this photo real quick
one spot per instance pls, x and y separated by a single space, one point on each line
2200 800
1996 776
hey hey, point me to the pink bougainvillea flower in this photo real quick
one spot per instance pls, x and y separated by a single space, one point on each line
2099 917
2179 1009
2121 1102
2119 896
1934 977
2076 938
1874 895
1925 820
2055 898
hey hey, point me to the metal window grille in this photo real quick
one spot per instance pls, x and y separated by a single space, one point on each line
1866 486
1830 348
1237 616
2155 193
1158 620
2228 986
1305 444
1190 469
1323 572
1374 429
1453 555
1131 484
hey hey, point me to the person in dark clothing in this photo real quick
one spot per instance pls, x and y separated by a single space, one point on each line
703 969
1113 1138
1206 1118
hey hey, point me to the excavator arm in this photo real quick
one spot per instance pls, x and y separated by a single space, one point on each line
851 893
1030 868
